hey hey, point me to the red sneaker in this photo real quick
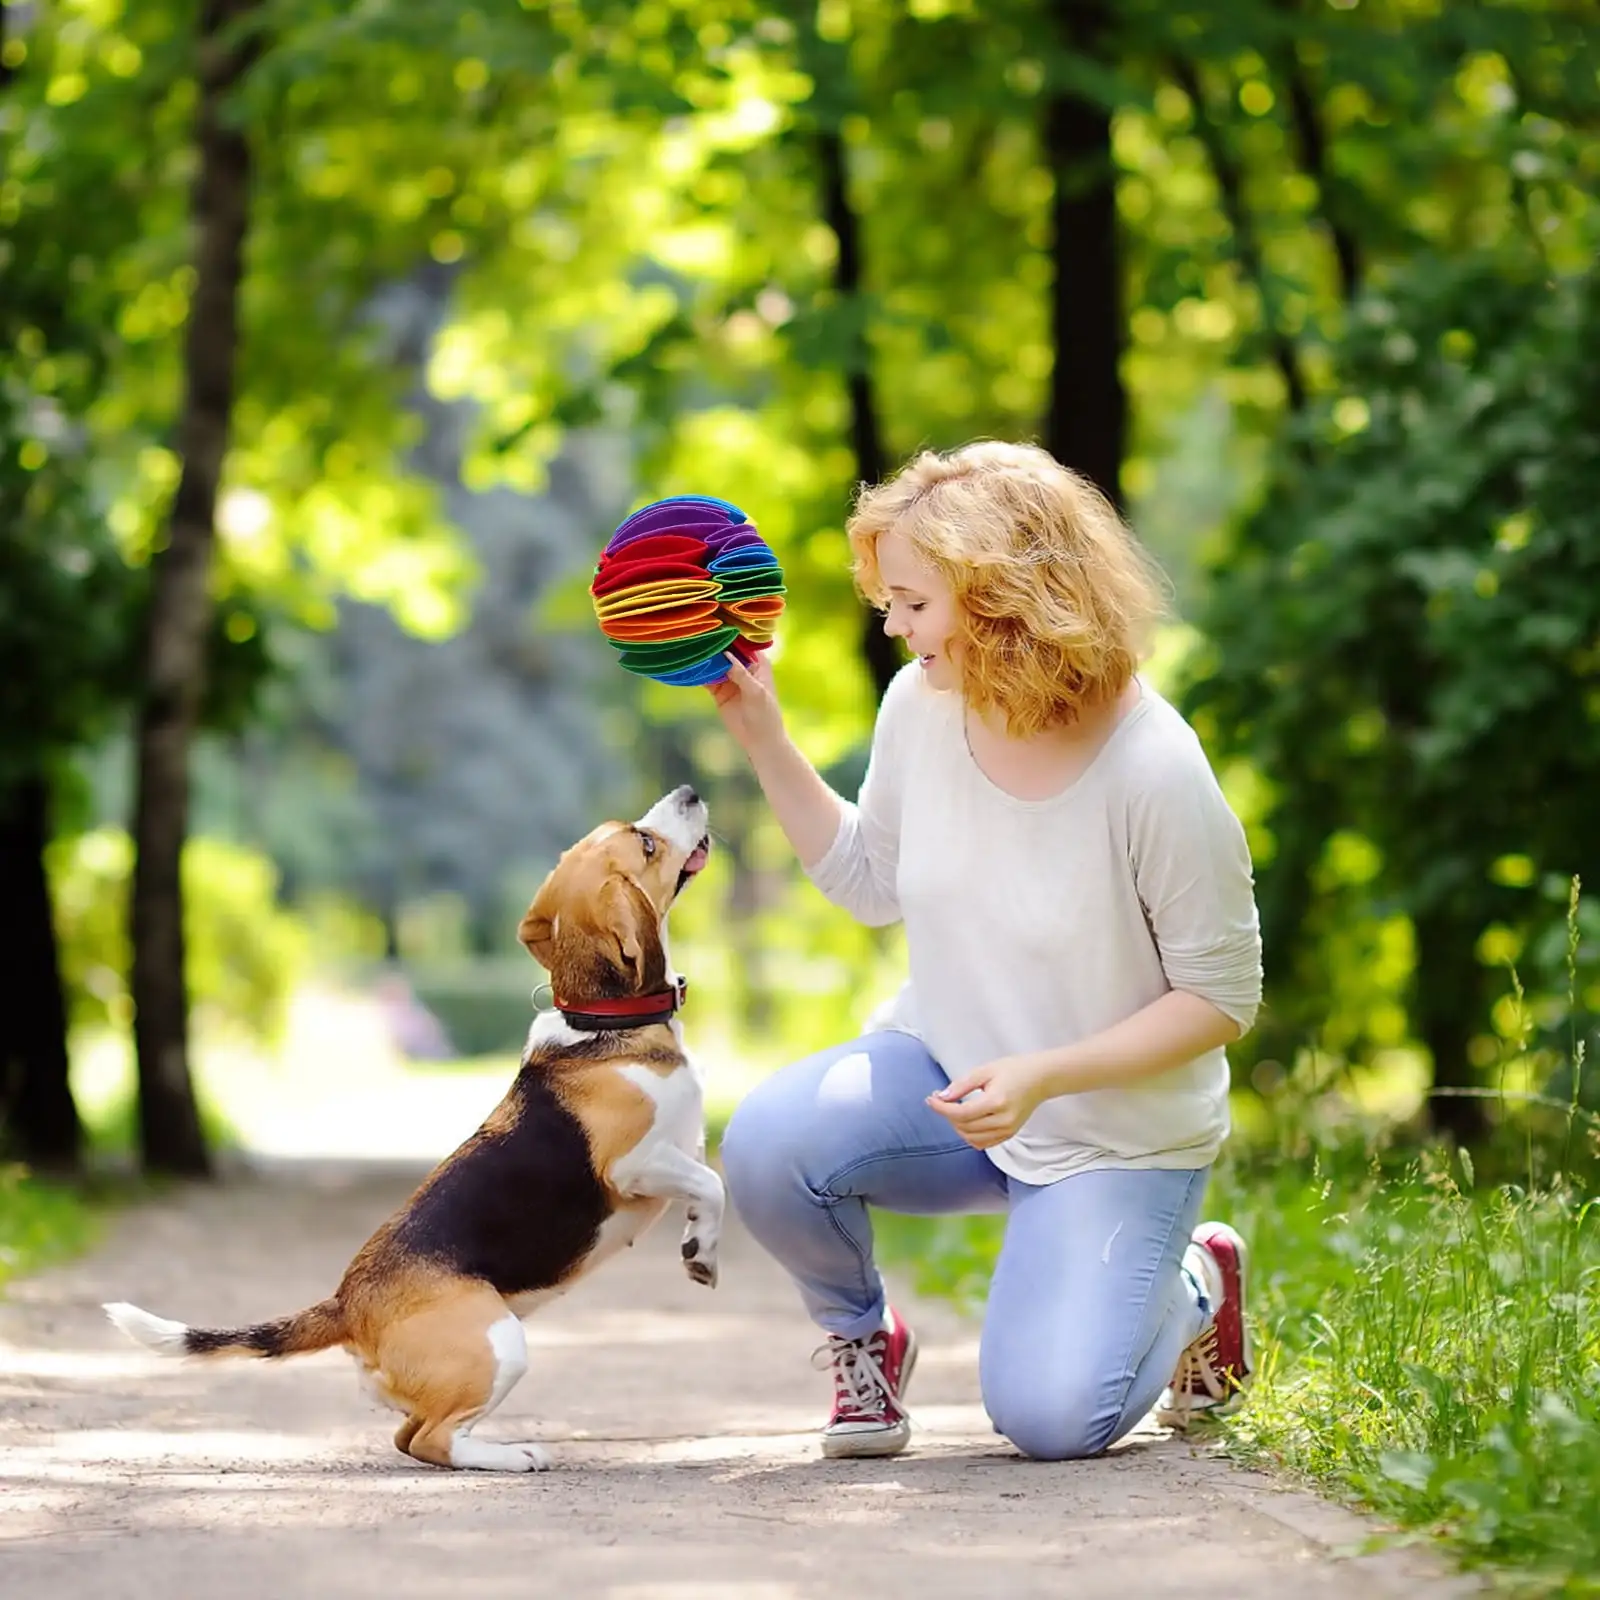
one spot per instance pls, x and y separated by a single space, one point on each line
1215 1369
869 1383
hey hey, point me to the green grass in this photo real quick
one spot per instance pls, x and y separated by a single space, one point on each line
1433 1351
1426 1348
41 1221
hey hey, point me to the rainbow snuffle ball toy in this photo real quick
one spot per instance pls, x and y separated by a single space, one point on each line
681 583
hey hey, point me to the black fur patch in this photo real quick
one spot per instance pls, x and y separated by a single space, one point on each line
517 1207
265 1338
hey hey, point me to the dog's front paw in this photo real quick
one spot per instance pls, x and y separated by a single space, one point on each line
700 1259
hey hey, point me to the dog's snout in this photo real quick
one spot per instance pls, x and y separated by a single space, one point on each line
679 815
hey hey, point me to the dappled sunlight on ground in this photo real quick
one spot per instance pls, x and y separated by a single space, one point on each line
683 1424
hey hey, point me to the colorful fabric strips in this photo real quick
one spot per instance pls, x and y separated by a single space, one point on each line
681 583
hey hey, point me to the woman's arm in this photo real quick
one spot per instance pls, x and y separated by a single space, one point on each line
808 811
1167 1033
848 851
988 1105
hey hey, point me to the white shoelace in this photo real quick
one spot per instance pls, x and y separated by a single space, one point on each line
859 1379
1197 1371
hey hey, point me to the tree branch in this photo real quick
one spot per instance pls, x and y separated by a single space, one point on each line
1306 116
1247 247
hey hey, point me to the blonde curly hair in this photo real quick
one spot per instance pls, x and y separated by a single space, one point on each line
1056 598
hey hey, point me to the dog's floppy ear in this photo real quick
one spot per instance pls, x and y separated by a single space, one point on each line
630 918
538 926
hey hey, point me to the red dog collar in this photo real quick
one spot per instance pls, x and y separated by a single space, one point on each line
636 1011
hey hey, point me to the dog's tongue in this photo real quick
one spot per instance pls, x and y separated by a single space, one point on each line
697 858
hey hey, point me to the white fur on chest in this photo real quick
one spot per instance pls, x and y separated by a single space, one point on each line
679 1099
678 1096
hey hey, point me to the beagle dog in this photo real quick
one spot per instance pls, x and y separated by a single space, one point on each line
602 1129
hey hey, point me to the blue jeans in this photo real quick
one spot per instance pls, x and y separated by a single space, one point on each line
1089 1307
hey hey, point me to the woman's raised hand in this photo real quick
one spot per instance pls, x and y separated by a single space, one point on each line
748 704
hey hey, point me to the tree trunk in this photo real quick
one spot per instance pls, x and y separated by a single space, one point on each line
40 1120
170 1136
866 438
1086 426
1447 997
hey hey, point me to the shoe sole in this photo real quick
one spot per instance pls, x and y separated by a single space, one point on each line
1216 1410
881 1441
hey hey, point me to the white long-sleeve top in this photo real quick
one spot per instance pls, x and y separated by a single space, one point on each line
1032 924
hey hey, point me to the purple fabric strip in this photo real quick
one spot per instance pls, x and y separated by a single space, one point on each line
736 536
671 513
705 529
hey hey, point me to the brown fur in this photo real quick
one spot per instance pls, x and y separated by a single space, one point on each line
429 1355
615 1114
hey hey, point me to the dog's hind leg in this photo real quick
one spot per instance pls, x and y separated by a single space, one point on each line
451 1365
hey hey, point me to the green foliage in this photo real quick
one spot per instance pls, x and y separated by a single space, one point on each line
952 1257
244 951
65 603
66 599
1406 636
626 208
1564 964
40 1222
95 279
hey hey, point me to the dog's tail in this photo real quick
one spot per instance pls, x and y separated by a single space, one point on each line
315 1328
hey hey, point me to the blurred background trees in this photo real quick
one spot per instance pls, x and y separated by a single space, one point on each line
1308 285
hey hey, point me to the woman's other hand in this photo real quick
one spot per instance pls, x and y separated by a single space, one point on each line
991 1103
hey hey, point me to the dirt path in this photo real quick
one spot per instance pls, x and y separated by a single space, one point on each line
683 1424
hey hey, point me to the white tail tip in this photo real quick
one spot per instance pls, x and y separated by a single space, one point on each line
155 1333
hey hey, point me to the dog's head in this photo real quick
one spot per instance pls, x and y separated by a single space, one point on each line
597 922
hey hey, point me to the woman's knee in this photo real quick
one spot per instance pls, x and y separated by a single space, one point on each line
1064 1421
808 1113
797 1132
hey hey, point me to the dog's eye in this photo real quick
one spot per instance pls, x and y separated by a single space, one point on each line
649 843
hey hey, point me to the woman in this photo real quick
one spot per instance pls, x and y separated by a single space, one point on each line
1082 941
